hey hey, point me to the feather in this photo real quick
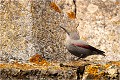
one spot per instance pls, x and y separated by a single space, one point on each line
89 47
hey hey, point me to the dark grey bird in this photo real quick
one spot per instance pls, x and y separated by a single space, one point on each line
79 47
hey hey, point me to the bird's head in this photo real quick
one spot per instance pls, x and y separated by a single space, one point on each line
72 35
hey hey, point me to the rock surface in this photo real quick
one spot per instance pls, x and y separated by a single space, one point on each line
39 68
28 27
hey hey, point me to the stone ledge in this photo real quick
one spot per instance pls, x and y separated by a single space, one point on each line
70 70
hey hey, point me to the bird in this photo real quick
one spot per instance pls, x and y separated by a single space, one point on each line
78 47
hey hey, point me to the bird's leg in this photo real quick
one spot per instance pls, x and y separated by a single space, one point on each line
80 57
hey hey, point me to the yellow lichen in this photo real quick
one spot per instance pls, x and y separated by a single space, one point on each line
95 72
92 70
71 15
117 63
117 2
55 7
37 59
107 66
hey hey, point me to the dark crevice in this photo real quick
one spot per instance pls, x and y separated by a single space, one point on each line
74 1
80 72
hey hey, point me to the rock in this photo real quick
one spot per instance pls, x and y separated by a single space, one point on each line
92 8
28 27
112 72
70 71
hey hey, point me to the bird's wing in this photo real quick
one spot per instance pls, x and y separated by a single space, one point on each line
84 44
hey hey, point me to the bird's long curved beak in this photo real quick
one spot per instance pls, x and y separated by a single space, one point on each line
65 30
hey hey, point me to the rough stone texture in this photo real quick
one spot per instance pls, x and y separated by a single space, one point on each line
49 37
75 70
28 27
32 26
15 30
100 25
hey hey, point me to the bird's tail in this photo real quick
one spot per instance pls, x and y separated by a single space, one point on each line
101 52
